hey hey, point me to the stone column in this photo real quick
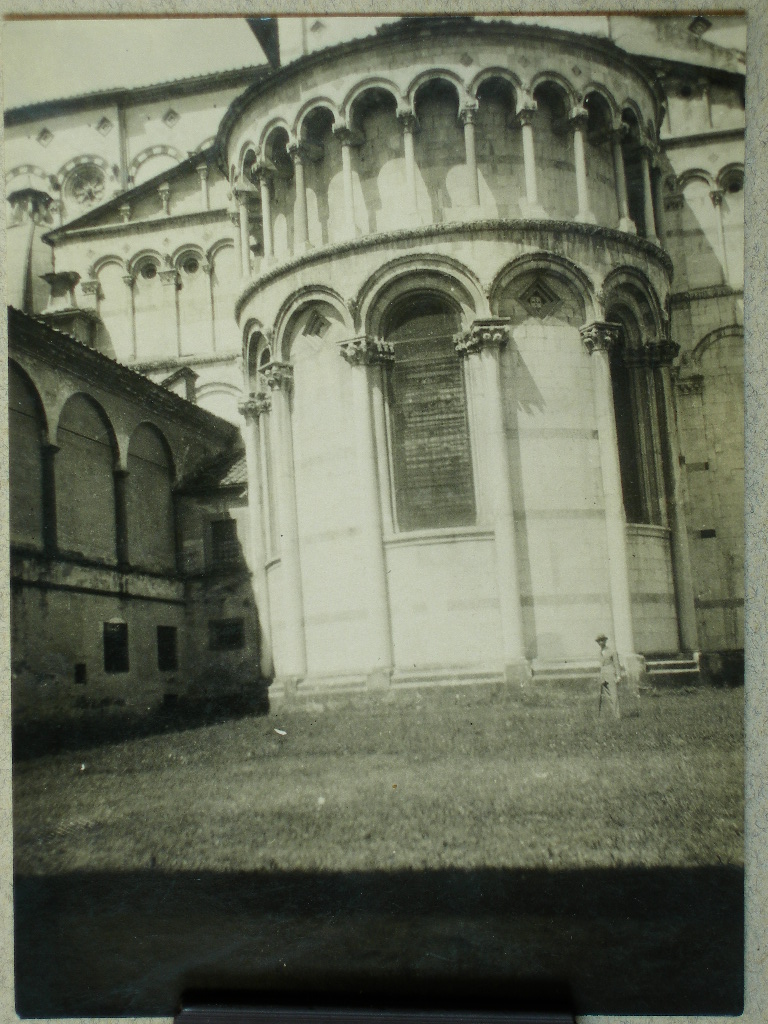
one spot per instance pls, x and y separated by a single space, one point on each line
279 379
202 171
252 410
263 176
525 115
578 118
365 357
130 283
410 125
681 558
169 278
716 195
207 268
242 195
121 519
467 116
599 338
481 345
650 220
50 535
348 139
625 221
300 225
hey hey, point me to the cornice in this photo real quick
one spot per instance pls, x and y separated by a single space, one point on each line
715 291
507 229
184 362
718 135
137 227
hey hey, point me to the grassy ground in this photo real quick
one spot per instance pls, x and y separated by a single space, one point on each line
462 778
440 843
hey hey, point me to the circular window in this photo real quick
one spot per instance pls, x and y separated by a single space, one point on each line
86 184
148 271
735 183
191 265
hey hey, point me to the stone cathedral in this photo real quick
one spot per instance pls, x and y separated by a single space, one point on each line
411 355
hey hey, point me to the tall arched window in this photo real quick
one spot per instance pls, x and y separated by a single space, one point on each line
85 485
151 532
431 457
26 464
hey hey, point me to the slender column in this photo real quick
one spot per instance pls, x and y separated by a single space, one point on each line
717 201
300 229
130 283
467 116
409 123
578 118
50 537
202 171
365 356
121 519
650 220
264 176
525 115
169 278
681 558
625 221
348 139
599 338
481 345
245 231
252 410
207 268
293 658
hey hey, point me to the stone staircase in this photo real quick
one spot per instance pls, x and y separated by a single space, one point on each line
674 670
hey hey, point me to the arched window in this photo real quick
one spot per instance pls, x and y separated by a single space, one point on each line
85 485
26 464
431 457
151 532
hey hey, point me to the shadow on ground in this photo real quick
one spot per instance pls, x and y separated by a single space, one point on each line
102 727
650 941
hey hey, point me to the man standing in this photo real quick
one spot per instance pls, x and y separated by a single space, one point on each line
610 673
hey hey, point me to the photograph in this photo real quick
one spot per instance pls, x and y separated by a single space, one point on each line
377 550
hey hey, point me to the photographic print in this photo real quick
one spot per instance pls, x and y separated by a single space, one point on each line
376 436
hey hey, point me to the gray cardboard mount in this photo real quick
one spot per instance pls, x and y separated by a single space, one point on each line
756 465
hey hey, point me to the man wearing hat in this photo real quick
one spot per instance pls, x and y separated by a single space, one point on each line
610 673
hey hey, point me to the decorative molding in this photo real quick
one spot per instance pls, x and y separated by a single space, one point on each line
365 351
547 235
715 291
278 376
491 333
600 336
191 218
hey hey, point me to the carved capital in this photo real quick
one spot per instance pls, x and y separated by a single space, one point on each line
408 121
483 334
278 376
347 136
129 280
255 406
91 288
303 152
262 172
674 202
716 195
169 276
468 113
365 351
619 133
578 117
600 336
661 353
525 112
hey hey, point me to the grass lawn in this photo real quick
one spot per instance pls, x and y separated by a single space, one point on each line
414 835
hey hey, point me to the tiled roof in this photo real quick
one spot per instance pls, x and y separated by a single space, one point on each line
227 471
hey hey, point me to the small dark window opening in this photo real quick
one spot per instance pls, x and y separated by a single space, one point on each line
116 647
225 546
81 673
707 534
167 653
148 271
630 459
226 634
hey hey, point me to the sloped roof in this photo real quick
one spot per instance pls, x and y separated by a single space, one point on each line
224 472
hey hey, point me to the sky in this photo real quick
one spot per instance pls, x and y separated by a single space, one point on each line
47 59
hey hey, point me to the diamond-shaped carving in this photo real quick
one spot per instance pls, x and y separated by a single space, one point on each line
316 324
170 117
104 127
44 136
539 299
316 26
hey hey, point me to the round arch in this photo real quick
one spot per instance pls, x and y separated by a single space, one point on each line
494 72
441 273
316 103
150 510
142 258
436 75
694 174
368 85
731 331
150 153
559 266
295 304
273 125
559 81
27 427
629 281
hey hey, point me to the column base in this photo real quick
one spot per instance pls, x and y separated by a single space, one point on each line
379 679
518 673
585 217
628 226
533 211
287 685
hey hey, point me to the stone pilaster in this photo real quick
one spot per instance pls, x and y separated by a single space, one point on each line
526 112
481 345
578 120
300 223
410 125
349 139
468 116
